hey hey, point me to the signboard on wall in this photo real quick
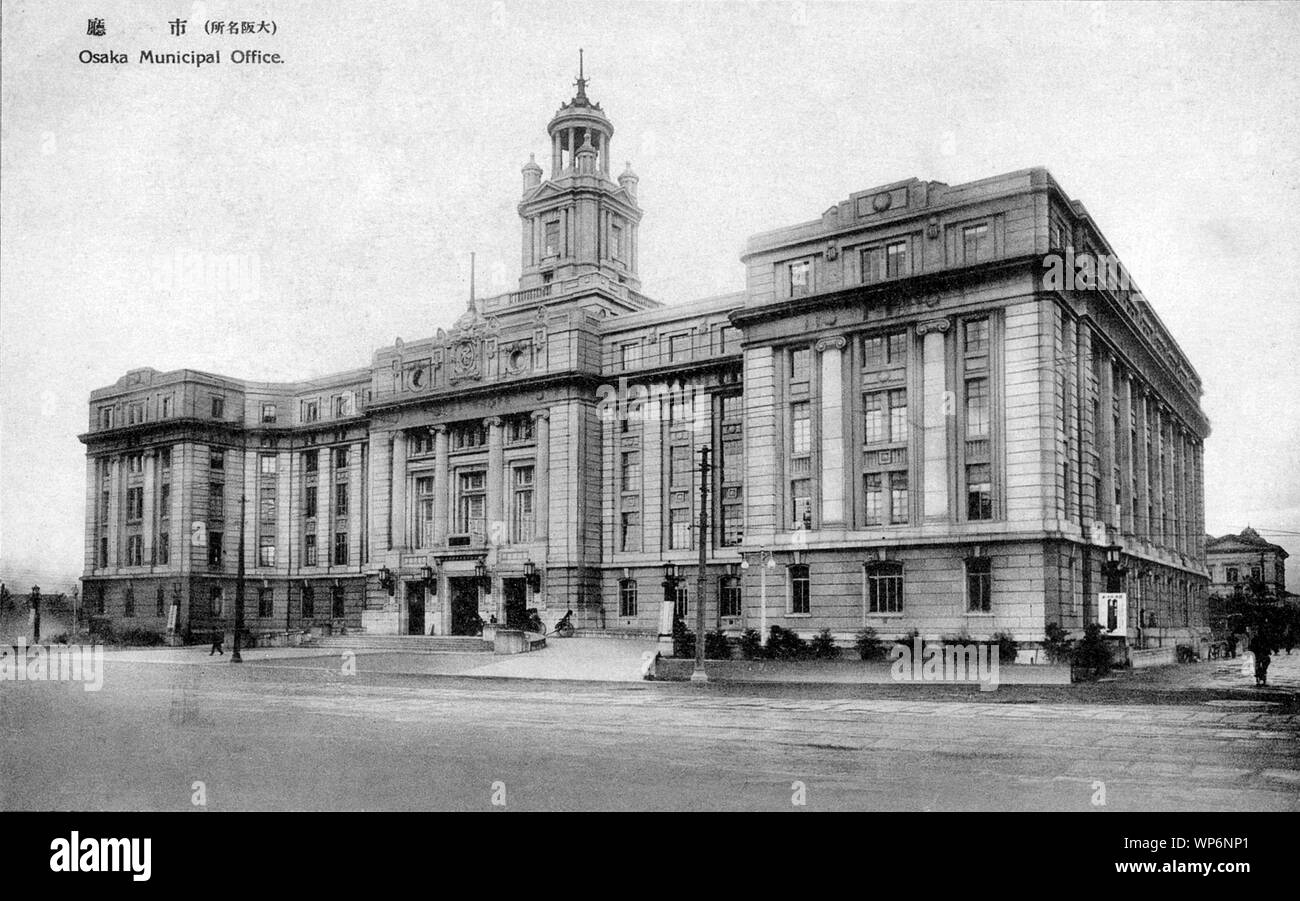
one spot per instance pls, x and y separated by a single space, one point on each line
1112 608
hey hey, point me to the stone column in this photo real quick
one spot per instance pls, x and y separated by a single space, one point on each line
1142 525
398 510
115 491
356 504
934 401
496 524
1157 478
541 474
441 486
1106 453
148 521
832 431
1124 455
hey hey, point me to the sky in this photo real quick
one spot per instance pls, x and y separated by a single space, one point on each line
333 200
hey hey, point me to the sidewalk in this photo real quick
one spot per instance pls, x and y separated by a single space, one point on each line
1283 675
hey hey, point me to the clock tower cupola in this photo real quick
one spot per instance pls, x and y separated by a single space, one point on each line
579 221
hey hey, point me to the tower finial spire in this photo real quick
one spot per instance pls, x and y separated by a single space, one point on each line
582 81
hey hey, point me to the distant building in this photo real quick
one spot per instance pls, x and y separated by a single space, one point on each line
914 420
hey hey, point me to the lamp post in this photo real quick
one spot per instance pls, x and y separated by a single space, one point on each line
765 562
239 587
703 580
35 603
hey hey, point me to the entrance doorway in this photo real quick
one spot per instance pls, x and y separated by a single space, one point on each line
415 608
464 606
516 598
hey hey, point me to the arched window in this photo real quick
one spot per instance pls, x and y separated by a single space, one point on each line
627 597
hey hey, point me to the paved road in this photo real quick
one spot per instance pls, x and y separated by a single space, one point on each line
276 737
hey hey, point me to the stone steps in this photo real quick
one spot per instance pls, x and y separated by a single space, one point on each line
413 644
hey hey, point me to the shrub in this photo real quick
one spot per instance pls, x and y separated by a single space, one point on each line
909 636
823 646
869 646
1092 652
751 644
716 646
683 639
1008 647
783 644
1056 643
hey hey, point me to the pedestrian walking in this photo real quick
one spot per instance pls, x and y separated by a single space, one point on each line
1260 647
218 643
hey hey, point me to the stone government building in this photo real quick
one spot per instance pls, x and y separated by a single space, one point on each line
911 427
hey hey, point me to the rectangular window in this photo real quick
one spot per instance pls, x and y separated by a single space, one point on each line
341 499
733 456
800 597
800 278
309 502
898 416
424 510
467 435
801 504
161 609
268 464
679 348
552 241
975 244
979 491
342 405
128 602
627 597
265 602
523 503
730 600
519 429
800 365
885 587
308 602
218 407
881 351
337 602
135 414
165 459
340 548
873 264
680 526
630 356
165 501
340 458
266 550
135 463
214 548
135 550
217 459
979 584
800 428
616 240
976 336
105 417
898 497
630 531
680 469
310 461
630 470
896 259
134 504
875 498
310 410
216 500
164 549
217 601
268 412
977 408
166 407
309 549
472 503
103 551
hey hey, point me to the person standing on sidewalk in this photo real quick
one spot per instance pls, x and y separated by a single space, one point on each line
1260 647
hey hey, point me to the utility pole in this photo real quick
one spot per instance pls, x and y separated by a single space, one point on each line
703 581
239 586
